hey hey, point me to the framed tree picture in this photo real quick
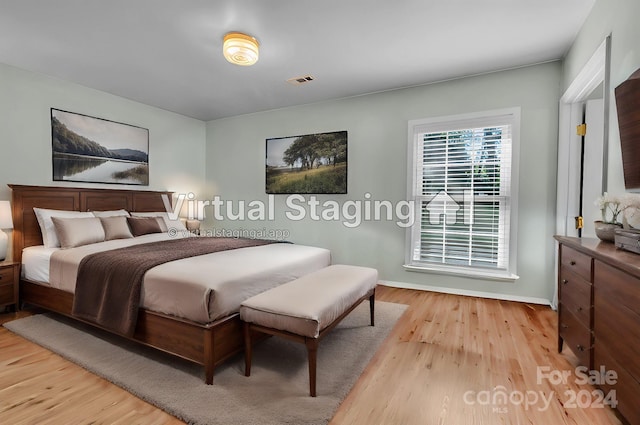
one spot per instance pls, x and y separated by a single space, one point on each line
95 150
307 164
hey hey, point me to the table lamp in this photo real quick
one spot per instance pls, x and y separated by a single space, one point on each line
5 223
193 226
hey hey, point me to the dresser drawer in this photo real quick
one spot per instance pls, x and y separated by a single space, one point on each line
577 262
617 329
618 287
626 387
575 294
6 275
6 294
575 335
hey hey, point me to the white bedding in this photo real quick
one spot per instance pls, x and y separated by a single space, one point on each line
212 286
36 259
35 263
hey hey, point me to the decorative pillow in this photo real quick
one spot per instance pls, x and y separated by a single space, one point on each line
49 237
116 227
161 222
170 224
73 232
114 213
143 225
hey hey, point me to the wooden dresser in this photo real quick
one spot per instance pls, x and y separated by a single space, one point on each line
599 314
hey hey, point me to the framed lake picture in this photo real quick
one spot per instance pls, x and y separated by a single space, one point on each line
95 150
308 164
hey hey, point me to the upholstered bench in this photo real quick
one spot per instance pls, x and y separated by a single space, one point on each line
307 308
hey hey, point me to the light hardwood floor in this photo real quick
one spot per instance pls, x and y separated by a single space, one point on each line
443 363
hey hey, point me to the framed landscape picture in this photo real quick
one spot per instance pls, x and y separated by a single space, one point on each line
308 164
95 150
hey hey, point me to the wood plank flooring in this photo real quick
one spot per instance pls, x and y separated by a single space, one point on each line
448 361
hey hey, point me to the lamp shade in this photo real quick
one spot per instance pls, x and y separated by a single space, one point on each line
240 49
5 215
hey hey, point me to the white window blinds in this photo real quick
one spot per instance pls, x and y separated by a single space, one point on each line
462 189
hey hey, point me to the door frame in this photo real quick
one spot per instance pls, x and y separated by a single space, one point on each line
595 72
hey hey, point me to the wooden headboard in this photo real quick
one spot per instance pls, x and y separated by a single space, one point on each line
26 231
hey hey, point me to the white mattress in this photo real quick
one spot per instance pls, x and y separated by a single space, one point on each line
211 286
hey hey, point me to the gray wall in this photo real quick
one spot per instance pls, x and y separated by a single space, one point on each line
176 143
176 148
620 19
377 127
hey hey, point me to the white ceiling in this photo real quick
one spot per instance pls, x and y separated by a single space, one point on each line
167 53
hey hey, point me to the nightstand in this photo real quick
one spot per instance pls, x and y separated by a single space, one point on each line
9 278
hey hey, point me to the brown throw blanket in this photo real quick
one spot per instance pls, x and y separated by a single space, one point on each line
109 283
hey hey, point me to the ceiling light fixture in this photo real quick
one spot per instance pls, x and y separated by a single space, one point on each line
240 49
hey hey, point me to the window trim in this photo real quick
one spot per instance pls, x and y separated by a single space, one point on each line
468 120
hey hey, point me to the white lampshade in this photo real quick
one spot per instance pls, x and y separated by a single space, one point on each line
6 221
240 49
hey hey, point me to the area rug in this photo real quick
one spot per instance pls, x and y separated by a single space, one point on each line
277 392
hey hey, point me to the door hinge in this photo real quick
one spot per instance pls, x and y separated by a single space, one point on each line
581 130
579 222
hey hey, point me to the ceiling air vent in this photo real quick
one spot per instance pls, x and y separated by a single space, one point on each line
296 81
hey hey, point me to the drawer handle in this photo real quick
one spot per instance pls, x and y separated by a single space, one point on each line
565 281
580 347
563 326
572 263
579 308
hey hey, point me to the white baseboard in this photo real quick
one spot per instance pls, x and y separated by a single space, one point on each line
466 292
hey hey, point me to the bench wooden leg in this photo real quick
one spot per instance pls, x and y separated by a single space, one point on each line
372 306
247 349
312 351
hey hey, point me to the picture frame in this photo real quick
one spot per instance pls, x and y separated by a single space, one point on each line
96 150
307 164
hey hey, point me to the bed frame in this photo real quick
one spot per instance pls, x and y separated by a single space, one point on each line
206 344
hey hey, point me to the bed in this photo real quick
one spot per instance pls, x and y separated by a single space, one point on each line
205 334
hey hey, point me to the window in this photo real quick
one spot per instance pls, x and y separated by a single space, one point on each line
463 182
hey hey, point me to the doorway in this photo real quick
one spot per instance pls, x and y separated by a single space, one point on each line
587 98
582 161
586 168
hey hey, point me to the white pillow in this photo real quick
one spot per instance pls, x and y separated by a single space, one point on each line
49 236
114 213
171 224
73 232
